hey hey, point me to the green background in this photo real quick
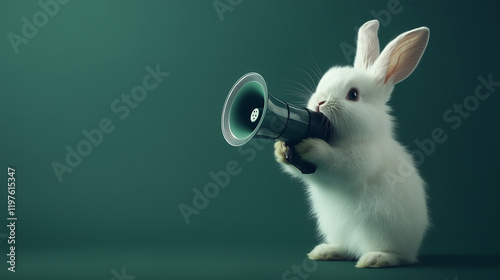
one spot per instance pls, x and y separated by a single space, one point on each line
119 207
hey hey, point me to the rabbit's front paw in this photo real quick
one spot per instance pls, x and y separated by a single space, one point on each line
281 152
313 150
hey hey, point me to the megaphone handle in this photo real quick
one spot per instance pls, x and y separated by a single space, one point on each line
296 160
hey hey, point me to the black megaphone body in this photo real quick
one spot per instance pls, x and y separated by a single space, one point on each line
250 111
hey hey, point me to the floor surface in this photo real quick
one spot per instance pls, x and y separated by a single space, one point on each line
232 263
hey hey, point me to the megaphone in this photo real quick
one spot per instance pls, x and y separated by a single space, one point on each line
250 111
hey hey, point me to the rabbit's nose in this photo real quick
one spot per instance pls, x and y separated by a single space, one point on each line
319 105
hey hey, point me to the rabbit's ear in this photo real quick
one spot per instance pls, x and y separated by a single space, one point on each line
368 46
401 56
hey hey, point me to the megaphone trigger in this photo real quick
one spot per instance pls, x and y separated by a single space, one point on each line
296 160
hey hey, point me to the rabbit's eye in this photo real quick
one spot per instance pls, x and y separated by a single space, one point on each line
353 95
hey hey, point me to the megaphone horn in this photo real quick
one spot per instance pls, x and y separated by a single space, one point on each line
250 111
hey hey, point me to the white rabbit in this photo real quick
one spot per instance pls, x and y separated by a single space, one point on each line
367 195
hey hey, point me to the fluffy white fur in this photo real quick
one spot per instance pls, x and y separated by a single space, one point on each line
367 196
